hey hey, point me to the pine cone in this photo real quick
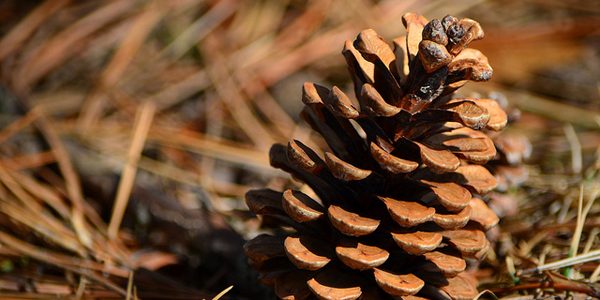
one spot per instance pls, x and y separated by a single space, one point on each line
398 208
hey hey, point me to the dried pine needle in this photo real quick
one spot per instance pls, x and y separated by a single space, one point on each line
140 132
222 293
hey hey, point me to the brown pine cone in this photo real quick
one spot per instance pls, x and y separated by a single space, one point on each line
398 208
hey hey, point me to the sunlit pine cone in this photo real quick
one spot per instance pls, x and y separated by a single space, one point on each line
398 208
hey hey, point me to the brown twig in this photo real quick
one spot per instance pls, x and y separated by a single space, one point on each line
553 282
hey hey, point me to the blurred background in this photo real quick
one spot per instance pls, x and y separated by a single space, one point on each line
130 131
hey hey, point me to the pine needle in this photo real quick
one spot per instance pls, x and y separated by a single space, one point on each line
130 285
222 293
567 262
141 128
576 156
